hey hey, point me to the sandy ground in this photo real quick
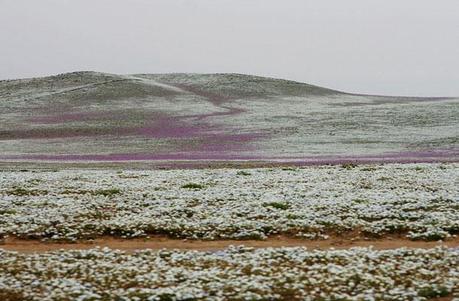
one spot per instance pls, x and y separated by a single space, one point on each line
6 165
159 242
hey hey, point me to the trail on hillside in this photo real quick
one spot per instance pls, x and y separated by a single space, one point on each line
209 117
73 89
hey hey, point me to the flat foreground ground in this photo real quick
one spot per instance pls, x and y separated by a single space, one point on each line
410 201
346 232
235 273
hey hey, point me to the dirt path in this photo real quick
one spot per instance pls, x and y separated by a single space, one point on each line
72 89
31 246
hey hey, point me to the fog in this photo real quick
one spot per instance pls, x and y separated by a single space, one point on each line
391 47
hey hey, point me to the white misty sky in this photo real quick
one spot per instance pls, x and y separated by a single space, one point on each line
395 47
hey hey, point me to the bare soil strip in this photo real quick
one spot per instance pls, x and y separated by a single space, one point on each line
130 245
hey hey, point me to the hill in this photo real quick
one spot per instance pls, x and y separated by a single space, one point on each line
92 116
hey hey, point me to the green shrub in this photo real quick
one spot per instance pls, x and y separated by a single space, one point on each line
193 186
243 173
348 165
104 192
107 192
431 292
277 205
369 168
24 192
360 201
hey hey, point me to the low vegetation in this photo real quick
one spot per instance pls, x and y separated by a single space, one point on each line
236 273
313 203
193 186
18 191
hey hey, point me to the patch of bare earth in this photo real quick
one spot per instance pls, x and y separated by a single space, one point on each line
162 242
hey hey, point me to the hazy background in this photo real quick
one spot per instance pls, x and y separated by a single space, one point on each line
408 47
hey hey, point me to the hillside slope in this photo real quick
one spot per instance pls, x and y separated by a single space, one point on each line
83 116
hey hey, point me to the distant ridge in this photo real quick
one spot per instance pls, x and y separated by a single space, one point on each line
94 116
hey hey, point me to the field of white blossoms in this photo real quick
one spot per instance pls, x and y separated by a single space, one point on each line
93 119
236 273
407 201
418 201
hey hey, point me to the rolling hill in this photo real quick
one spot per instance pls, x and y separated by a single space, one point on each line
91 116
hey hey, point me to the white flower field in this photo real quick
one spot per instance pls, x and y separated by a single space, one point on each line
233 274
419 201
406 201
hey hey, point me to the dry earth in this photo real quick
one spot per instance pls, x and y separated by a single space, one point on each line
161 242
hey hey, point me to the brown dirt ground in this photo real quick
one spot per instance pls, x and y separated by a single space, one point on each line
6 165
160 242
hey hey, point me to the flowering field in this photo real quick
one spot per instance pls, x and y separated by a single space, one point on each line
90 116
236 273
316 203
67 141
416 201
